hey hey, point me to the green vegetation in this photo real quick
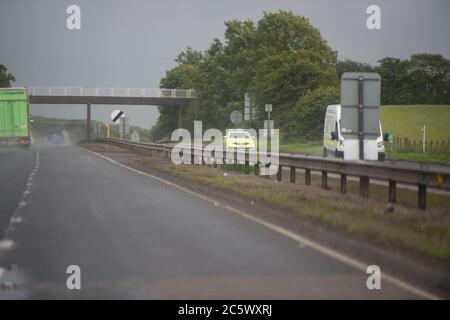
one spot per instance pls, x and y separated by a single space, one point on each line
302 147
417 156
403 121
283 60
406 121
6 79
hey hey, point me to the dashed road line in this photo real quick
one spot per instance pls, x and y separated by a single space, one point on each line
15 218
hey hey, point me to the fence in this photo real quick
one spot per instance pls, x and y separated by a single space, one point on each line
406 144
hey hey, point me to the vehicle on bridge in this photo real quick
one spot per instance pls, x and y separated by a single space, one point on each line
333 141
14 117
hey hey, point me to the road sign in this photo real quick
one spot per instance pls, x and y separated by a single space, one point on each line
247 100
116 115
236 117
135 136
268 108
268 125
247 112
360 115
249 109
124 125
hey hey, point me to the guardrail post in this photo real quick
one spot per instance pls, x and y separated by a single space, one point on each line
364 186
324 179
307 177
247 163
292 174
343 183
422 203
392 191
279 173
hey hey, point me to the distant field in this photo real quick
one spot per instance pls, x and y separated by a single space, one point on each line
314 147
407 121
402 121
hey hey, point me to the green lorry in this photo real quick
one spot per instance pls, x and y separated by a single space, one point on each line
14 117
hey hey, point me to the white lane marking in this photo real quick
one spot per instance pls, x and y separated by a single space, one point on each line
287 233
22 203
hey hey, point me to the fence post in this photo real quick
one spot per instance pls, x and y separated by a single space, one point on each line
307 177
324 179
292 174
364 186
392 191
247 163
343 183
422 201
279 173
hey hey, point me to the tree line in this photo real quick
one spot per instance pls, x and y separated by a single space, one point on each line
283 60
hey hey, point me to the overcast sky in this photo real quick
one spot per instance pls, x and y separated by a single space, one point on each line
131 43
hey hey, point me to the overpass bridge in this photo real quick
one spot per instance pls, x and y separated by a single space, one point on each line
177 98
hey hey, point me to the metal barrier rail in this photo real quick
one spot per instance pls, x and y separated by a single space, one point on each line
422 175
111 92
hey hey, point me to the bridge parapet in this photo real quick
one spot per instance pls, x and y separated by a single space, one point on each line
111 92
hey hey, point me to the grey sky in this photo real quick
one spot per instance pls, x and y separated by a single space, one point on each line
132 43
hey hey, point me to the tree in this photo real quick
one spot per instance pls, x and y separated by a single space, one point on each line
348 65
183 76
6 78
395 81
277 60
309 113
430 78
422 79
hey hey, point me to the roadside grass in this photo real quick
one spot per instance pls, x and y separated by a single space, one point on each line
313 147
403 121
405 197
423 233
407 120
416 156
426 233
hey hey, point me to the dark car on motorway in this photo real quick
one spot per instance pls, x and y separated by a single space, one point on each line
56 138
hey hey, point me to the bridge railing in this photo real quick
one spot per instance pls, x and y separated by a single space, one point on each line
111 92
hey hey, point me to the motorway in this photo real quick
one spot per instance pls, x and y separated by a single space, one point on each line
136 237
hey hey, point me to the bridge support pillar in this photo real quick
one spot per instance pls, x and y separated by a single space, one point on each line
88 121
180 116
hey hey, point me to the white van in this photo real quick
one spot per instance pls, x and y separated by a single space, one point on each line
333 141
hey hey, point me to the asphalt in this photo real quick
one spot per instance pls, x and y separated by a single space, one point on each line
134 237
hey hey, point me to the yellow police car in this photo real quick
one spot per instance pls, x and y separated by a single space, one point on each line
239 139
